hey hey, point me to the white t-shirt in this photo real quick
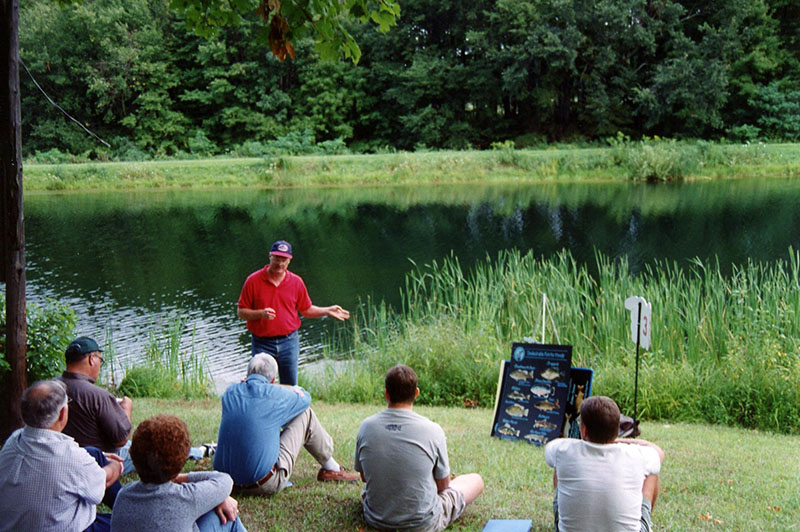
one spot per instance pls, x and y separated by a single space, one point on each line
600 485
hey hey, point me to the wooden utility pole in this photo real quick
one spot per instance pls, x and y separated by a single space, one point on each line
12 254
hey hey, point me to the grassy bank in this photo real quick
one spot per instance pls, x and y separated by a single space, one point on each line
705 485
726 348
652 160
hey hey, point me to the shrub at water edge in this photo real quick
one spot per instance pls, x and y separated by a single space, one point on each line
49 330
167 372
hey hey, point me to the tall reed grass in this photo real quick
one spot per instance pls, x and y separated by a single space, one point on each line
726 348
167 372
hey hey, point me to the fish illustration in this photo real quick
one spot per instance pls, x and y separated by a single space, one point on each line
542 424
537 439
551 374
521 374
518 396
507 430
517 410
541 391
546 405
579 397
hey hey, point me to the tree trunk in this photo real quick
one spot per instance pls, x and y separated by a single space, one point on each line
12 270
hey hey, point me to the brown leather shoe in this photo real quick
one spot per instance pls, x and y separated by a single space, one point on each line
328 475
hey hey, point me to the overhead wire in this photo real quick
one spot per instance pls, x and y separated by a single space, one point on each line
92 133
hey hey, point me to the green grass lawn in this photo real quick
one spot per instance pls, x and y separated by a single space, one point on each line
714 478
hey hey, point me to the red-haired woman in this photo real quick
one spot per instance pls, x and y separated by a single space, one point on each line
166 499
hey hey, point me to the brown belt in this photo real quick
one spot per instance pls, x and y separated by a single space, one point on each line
258 483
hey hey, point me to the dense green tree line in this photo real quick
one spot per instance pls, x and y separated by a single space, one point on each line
451 74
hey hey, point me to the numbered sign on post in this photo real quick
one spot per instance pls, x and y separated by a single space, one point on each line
640 322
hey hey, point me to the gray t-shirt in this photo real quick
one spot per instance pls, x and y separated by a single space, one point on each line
169 506
400 454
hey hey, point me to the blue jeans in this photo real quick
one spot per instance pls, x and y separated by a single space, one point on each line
127 462
111 492
209 522
285 349
102 523
195 453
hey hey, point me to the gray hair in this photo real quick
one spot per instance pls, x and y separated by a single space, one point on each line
263 364
42 402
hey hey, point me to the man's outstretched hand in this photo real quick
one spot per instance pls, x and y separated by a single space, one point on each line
335 311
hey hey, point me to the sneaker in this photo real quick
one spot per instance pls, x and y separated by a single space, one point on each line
328 475
209 449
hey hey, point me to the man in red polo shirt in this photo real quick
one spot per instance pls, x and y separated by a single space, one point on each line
270 300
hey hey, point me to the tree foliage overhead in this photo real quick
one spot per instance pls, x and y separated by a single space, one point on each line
450 74
286 21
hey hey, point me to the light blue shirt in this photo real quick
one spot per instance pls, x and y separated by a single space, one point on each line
169 506
253 413
48 483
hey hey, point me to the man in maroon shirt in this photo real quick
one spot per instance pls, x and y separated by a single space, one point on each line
96 417
270 301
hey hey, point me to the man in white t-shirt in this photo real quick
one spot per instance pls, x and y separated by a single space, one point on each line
603 483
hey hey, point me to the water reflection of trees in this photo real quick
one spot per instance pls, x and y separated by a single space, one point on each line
355 241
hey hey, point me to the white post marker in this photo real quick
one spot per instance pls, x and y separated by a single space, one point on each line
641 320
641 326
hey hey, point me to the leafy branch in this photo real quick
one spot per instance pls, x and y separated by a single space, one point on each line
288 20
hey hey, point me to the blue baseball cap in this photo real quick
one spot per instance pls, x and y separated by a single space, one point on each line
281 248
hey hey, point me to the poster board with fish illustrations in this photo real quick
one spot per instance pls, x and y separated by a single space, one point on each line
533 395
580 387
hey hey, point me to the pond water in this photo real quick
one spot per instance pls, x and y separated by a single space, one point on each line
127 261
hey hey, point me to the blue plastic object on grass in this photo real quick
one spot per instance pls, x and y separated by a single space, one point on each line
508 525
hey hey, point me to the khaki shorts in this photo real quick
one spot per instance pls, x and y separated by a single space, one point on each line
647 520
453 505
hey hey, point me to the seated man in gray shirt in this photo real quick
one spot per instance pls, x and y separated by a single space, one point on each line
402 458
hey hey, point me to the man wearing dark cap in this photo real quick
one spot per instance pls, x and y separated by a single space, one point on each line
270 300
96 417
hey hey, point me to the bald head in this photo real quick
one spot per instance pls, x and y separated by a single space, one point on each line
42 402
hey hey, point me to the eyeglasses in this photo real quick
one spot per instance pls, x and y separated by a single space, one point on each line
102 360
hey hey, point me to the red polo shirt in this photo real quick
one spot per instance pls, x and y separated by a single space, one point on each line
287 299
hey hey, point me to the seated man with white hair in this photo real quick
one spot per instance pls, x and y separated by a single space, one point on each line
48 482
253 449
